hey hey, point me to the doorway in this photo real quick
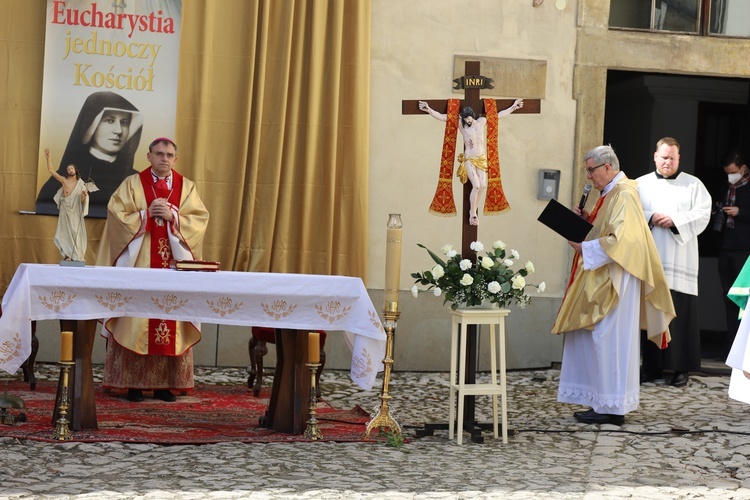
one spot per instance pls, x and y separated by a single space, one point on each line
707 116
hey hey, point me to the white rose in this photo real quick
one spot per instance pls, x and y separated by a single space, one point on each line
515 254
415 291
498 245
494 287
518 282
465 265
529 266
476 246
438 271
466 280
541 287
451 253
447 248
508 262
437 291
487 263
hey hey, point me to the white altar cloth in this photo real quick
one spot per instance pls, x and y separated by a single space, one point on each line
294 301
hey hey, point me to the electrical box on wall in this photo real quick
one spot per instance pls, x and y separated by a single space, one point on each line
549 184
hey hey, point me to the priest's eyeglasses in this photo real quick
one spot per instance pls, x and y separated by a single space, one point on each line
590 170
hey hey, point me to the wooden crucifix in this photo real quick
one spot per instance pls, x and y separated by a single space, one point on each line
471 83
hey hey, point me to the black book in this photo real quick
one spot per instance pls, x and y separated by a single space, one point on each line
564 221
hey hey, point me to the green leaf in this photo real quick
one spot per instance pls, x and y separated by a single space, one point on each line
437 259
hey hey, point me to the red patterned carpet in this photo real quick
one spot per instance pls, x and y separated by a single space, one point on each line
208 414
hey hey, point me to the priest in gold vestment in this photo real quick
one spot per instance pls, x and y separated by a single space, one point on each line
617 287
153 217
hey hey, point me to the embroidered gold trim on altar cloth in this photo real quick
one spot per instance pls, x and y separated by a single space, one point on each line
113 300
278 309
224 306
10 349
332 311
58 300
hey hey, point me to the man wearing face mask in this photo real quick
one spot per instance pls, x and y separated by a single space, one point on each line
735 233
677 207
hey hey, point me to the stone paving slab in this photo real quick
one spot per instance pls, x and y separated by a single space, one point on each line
691 442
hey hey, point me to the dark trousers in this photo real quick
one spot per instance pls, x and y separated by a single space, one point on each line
730 265
684 351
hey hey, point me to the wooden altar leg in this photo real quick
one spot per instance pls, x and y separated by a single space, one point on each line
82 411
288 409
28 365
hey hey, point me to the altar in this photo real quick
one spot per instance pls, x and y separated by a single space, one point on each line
282 301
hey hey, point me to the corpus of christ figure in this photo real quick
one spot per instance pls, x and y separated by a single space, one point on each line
473 163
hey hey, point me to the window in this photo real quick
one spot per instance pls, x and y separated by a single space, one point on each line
699 17
730 18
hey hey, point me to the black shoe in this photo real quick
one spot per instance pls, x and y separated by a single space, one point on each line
592 417
680 379
135 395
647 376
164 395
584 414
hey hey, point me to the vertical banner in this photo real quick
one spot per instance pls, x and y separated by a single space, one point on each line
110 79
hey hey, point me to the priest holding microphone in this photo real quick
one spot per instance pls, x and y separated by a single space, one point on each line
616 276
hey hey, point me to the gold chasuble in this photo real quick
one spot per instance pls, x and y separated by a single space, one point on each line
620 226
132 238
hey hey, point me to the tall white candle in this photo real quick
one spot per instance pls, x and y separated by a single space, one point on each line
393 258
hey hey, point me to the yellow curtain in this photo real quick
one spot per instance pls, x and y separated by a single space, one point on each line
272 124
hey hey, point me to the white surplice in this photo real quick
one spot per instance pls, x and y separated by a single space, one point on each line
687 201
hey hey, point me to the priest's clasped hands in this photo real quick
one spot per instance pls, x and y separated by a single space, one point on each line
160 209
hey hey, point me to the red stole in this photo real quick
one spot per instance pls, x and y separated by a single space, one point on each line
579 257
161 332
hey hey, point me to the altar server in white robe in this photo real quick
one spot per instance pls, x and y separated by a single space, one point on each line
617 287
677 207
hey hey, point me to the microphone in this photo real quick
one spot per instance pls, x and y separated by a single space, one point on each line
584 197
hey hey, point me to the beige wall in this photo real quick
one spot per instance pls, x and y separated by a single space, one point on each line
414 45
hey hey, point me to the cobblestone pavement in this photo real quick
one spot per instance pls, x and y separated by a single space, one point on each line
689 442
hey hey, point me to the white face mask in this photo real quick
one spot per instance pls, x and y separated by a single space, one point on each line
733 178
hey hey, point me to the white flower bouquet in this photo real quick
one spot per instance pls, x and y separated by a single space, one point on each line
465 284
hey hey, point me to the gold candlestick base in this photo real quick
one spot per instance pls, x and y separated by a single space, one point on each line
312 431
62 427
383 419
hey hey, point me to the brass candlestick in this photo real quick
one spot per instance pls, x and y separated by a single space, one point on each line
382 418
62 428
312 431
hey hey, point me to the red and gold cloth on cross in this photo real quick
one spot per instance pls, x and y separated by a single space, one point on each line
620 226
442 201
131 237
495 201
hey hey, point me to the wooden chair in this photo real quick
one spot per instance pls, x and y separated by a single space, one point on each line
258 349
